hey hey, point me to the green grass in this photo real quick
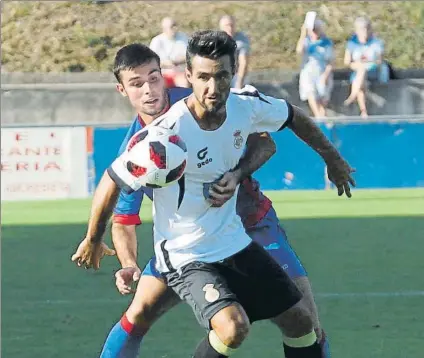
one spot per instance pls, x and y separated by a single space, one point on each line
372 243
56 36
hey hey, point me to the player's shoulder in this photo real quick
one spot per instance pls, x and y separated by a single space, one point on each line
248 94
172 116
178 93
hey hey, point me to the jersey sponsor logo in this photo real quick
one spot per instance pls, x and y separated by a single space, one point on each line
238 139
201 155
273 246
211 293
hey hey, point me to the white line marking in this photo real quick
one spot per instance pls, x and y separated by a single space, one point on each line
328 295
371 294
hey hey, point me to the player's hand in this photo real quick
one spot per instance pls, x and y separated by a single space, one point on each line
90 253
340 174
125 278
224 189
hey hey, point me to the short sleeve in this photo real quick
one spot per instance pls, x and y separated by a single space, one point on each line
124 174
127 208
269 114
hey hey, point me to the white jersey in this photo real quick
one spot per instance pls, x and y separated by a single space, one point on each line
186 227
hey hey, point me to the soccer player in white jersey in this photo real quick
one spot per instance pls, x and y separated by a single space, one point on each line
204 252
138 73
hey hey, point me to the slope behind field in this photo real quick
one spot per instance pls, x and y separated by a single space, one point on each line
57 36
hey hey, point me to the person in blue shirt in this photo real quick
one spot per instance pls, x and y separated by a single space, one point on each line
364 56
316 74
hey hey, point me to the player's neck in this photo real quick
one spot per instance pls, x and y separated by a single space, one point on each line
206 120
147 119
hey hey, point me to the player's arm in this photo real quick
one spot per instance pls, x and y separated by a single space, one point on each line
126 208
124 223
106 197
259 149
104 201
272 114
305 128
91 250
339 171
124 239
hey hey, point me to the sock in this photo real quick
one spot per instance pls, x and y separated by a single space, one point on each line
325 346
313 351
206 349
122 341
303 347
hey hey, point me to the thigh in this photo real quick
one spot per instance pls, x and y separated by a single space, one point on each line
308 299
306 85
204 287
271 236
261 285
152 299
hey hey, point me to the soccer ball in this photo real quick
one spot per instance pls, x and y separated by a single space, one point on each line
156 156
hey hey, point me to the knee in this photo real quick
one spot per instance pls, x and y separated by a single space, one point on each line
142 316
231 326
296 321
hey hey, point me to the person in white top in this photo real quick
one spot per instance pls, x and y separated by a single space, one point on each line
171 46
203 251
364 56
316 74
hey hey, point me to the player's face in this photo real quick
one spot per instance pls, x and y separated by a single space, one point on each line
145 88
211 81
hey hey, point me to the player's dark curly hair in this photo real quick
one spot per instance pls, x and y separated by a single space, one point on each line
211 44
131 56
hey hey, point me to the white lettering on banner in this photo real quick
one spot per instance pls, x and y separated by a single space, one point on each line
43 163
38 187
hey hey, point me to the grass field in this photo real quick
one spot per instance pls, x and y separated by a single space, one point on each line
364 256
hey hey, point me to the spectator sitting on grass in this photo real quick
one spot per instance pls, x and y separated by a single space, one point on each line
364 56
171 47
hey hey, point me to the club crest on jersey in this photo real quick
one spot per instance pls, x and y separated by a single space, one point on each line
238 139
211 293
